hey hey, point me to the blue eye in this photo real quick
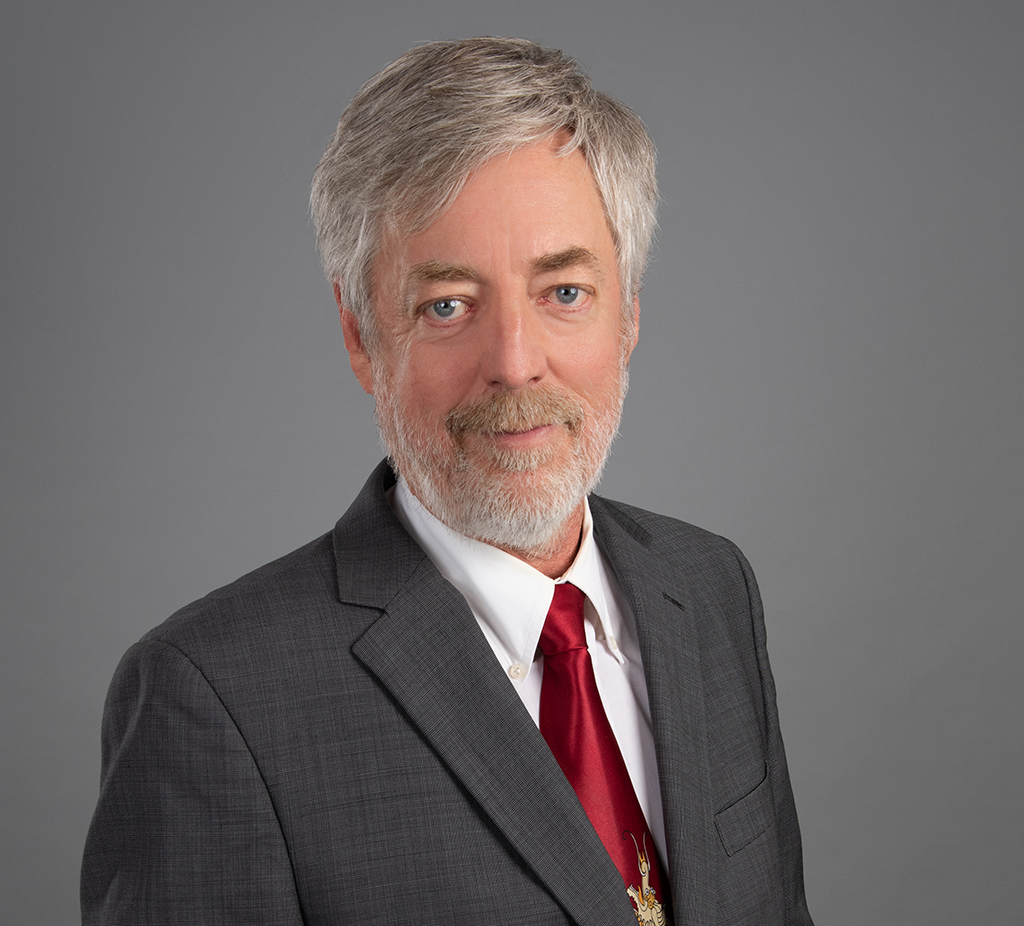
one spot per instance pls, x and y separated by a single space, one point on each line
445 308
567 295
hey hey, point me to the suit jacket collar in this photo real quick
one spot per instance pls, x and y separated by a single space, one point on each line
428 651
667 618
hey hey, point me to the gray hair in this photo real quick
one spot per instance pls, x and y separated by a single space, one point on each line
413 134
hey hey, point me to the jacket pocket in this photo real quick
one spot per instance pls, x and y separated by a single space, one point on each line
742 822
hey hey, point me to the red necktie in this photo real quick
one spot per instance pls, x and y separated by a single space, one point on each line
573 721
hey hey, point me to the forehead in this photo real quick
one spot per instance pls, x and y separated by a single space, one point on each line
519 206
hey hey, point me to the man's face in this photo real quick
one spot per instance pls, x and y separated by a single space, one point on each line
500 362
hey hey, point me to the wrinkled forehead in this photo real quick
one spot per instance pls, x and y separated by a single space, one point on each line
413 213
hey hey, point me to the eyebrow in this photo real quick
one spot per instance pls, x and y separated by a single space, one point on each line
570 257
439 271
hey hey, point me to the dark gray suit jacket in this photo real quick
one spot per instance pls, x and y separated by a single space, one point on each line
330 740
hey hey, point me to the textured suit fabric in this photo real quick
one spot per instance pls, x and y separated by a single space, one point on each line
330 740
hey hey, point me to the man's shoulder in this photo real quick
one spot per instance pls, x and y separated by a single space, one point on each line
287 589
291 571
662 533
647 543
294 590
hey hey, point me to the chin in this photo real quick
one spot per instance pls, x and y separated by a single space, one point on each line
520 519
523 508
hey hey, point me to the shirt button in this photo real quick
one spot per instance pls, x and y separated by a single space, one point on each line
517 671
613 643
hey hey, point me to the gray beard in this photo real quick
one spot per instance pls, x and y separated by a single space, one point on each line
520 500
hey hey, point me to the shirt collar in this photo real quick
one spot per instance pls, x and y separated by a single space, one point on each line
508 597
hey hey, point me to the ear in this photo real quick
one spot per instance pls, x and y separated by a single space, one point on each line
357 356
636 326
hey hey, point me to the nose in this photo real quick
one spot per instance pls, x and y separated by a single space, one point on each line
514 353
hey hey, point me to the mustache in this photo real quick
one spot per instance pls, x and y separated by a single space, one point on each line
504 412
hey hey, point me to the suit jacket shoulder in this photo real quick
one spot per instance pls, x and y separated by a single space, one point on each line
701 553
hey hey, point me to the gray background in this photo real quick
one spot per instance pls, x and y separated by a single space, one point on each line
829 373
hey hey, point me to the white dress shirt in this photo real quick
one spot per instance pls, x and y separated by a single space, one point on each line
510 601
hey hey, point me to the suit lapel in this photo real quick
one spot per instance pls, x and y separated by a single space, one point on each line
428 651
667 628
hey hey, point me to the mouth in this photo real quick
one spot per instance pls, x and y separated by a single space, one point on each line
530 429
519 438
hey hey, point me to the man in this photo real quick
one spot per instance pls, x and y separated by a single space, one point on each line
483 698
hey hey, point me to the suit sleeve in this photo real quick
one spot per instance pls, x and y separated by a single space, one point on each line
185 830
787 828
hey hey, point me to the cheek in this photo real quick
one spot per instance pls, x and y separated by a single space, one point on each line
430 386
596 366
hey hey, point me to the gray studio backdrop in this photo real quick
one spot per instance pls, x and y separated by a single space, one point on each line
829 372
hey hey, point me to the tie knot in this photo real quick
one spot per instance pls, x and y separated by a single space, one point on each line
563 629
